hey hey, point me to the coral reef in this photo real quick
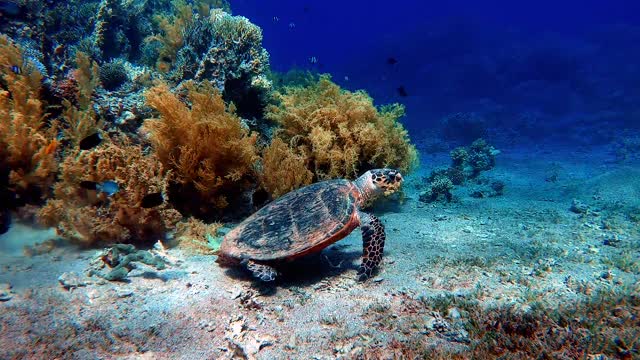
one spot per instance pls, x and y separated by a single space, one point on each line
206 146
466 164
28 142
215 46
88 216
341 133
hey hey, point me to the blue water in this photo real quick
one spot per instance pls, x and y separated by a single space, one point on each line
563 59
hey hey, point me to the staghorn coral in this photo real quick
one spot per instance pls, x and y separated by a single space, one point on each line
27 141
88 217
283 169
341 133
206 146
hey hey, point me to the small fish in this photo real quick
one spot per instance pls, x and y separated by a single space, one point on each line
90 141
51 148
313 60
276 19
402 91
346 78
292 25
392 61
108 187
152 200
16 69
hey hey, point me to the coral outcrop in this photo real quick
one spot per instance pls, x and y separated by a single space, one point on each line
466 163
209 151
88 216
340 133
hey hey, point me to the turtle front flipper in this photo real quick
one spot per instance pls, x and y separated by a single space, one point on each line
263 272
373 237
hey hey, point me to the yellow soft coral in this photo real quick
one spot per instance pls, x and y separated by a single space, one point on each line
283 169
27 141
341 133
206 145
88 217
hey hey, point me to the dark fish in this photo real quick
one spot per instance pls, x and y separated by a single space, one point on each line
89 185
90 141
16 69
392 61
402 91
108 187
152 200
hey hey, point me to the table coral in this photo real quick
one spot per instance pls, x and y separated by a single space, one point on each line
87 217
341 133
206 146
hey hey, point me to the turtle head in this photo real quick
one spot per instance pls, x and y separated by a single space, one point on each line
379 181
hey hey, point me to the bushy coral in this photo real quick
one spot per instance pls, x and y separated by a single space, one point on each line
206 146
283 169
88 216
439 185
482 156
27 140
341 133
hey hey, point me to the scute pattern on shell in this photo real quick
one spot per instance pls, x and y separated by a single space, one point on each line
300 222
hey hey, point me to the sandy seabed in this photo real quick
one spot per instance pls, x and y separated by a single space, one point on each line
524 249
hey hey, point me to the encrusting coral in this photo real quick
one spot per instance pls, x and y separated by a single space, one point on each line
206 146
340 133
27 140
88 216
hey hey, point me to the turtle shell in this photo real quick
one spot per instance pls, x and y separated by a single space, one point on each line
301 222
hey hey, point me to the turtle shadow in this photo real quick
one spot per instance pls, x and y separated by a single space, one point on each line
306 271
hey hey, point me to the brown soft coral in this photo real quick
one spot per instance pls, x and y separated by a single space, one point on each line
341 133
283 169
211 153
88 217
27 140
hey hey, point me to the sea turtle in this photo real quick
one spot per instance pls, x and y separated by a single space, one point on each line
308 220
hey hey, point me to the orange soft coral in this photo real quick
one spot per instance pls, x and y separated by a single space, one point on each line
341 133
88 217
27 142
211 153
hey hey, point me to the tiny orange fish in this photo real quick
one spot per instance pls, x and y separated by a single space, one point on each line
51 148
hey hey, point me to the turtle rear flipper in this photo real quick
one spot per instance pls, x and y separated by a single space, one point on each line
373 237
261 271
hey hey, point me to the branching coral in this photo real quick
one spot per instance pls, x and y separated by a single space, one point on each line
88 217
27 141
206 145
341 133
